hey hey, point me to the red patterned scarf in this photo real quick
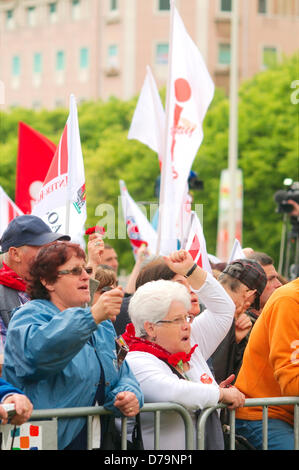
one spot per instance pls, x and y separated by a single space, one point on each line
139 344
9 278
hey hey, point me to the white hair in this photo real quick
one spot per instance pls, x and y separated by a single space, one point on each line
151 302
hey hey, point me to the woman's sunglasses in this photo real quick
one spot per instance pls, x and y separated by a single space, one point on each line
77 271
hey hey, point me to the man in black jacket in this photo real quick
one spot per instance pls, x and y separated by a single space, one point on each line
244 280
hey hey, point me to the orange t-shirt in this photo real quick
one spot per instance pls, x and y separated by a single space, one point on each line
271 359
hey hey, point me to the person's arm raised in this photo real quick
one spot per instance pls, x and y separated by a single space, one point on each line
181 262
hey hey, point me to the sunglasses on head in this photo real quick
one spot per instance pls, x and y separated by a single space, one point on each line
76 271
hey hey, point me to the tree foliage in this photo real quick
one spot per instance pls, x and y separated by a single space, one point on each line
267 153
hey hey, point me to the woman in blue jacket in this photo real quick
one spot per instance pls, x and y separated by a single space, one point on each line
61 352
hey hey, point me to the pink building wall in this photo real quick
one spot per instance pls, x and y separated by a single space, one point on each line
136 27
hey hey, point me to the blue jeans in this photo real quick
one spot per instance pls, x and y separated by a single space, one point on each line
280 433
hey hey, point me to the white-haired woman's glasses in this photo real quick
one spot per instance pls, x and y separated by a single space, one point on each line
178 320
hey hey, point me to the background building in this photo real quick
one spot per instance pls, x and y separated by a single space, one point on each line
99 48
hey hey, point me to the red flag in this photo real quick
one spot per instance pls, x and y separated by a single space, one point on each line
8 210
35 153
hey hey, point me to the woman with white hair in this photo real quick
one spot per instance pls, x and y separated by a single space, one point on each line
169 349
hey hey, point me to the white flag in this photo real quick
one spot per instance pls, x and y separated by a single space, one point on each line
139 229
196 244
8 210
148 121
62 200
190 91
237 252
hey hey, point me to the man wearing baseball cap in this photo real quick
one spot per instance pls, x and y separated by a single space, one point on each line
244 280
19 243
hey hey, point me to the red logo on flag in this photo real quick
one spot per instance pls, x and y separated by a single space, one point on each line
195 251
134 235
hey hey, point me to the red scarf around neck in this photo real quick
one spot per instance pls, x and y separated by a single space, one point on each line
140 344
9 278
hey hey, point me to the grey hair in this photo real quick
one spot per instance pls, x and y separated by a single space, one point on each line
152 300
261 258
231 282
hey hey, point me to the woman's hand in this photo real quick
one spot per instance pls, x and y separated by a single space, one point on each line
107 307
95 249
23 408
181 262
127 403
232 397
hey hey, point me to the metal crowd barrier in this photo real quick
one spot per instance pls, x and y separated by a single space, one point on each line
89 412
158 408
265 403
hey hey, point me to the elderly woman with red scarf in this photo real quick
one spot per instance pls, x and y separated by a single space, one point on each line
169 349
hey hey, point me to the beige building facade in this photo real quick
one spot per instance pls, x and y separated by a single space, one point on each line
100 48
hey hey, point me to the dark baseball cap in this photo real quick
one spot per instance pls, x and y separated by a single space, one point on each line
28 230
250 273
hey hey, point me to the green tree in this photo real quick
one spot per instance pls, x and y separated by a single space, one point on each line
268 153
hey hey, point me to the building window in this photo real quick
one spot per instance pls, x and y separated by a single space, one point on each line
113 55
113 5
226 5
16 66
53 12
31 16
164 5
36 105
37 63
84 58
162 50
262 6
269 57
76 9
9 19
224 54
60 60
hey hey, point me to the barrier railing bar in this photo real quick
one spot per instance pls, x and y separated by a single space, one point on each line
185 415
89 432
157 428
201 423
296 426
265 427
124 433
250 402
232 424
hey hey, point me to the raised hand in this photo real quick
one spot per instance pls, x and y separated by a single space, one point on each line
107 307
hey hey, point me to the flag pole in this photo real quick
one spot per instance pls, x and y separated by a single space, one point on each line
233 123
164 156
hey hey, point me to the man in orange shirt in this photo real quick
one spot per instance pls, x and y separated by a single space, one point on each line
271 369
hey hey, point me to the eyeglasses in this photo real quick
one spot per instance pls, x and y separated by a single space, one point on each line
179 320
76 271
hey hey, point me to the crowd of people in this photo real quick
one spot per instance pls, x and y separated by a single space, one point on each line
192 337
